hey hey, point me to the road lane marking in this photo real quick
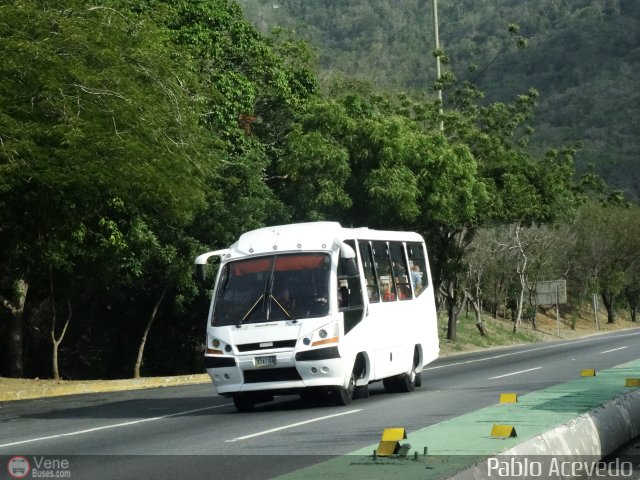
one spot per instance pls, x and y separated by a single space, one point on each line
466 362
107 427
615 349
284 427
515 373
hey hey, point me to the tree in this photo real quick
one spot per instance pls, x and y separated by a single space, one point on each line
102 111
608 250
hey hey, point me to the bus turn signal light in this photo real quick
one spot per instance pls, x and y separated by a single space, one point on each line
325 341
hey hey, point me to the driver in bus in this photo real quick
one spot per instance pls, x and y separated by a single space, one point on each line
286 300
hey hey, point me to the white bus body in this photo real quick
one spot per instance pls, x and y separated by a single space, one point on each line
315 308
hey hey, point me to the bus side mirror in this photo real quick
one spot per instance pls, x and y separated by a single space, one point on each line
201 265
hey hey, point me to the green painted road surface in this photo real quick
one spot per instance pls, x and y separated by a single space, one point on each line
459 443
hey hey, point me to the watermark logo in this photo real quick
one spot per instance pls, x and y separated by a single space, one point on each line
18 467
552 467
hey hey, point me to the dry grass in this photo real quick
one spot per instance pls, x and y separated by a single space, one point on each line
573 324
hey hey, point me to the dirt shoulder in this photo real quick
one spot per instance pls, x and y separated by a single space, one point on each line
22 389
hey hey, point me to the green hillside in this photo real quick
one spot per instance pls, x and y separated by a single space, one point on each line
582 55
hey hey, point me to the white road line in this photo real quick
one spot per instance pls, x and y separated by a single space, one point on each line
107 427
615 349
284 427
515 373
466 362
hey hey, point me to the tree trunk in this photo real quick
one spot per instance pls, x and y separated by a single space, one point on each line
608 299
152 317
16 328
632 300
452 320
452 311
534 323
57 341
475 303
521 269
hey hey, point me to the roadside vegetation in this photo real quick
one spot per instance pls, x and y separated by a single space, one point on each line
573 324
136 135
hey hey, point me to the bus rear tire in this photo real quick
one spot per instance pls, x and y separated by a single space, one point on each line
403 383
390 384
407 382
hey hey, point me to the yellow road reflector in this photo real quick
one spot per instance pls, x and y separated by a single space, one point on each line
632 382
390 441
503 431
588 373
508 398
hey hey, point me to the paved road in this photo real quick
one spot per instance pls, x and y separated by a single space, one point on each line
186 432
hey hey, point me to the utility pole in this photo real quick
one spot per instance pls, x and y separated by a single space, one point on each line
437 50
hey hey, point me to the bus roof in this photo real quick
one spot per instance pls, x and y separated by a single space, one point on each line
316 236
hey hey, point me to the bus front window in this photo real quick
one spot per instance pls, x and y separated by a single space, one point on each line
278 287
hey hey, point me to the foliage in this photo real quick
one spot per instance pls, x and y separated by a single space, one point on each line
589 95
607 251
134 135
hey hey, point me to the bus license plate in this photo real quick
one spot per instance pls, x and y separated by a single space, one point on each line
268 361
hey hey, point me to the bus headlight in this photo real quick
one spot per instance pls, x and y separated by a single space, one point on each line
324 335
216 347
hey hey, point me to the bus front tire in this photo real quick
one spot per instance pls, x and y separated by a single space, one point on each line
343 396
361 392
244 402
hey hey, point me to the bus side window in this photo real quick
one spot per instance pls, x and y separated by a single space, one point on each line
369 271
384 270
418 265
400 270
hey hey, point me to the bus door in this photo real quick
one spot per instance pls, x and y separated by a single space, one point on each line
350 296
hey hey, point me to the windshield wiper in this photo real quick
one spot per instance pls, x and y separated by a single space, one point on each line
291 317
253 307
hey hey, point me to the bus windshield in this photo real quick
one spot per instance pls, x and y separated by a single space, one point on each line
277 287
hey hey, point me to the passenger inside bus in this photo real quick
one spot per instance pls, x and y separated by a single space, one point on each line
416 277
387 294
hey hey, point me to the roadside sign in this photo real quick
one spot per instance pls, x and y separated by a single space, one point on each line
551 292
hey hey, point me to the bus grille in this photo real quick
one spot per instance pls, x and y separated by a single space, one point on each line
249 347
271 375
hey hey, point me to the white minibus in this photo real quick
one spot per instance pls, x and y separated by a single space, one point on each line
316 309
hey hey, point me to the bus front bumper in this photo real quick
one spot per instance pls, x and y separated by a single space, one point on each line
285 371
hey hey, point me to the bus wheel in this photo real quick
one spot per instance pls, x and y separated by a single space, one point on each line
361 392
407 381
390 384
244 402
343 396
416 361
